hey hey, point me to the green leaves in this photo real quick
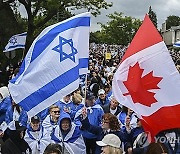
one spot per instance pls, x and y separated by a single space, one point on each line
120 29
172 21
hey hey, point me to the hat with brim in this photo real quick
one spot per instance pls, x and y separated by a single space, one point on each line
101 143
35 119
110 140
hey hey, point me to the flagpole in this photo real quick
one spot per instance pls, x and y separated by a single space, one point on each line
23 55
85 91
10 58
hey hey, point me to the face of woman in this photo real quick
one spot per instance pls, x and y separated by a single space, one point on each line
105 150
105 124
65 124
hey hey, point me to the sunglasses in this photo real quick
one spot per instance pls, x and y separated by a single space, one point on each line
105 122
56 112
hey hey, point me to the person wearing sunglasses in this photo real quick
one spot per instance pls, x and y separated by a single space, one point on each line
110 125
51 120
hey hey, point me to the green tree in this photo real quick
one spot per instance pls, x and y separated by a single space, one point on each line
11 23
120 29
172 21
41 13
152 16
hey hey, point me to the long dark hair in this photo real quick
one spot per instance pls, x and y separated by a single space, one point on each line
15 106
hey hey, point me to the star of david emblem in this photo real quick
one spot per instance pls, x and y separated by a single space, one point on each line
13 40
66 49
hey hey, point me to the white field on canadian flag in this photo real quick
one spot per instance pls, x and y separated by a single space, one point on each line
157 59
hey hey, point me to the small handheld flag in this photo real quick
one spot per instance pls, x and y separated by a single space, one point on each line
15 42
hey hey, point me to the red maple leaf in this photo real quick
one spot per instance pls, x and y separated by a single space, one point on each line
138 86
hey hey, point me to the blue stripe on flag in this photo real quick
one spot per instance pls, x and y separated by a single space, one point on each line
23 34
83 62
16 46
42 43
49 89
177 45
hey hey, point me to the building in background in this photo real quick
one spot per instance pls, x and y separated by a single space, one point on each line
170 36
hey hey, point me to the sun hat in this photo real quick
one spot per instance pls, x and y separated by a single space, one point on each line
111 140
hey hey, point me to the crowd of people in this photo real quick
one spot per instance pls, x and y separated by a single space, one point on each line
89 120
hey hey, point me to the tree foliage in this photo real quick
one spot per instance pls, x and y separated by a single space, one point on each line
172 21
41 13
152 16
10 24
119 30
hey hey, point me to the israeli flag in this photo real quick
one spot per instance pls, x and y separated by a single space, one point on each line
177 44
53 64
15 42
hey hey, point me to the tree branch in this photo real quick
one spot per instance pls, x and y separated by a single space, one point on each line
46 19
37 8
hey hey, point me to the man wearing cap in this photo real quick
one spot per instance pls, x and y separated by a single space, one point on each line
102 98
110 144
108 90
36 137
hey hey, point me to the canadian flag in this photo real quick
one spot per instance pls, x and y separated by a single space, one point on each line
148 82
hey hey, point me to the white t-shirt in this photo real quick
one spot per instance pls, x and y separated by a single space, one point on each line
113 111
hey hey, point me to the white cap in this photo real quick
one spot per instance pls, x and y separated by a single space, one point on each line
4 92
101 91
111 140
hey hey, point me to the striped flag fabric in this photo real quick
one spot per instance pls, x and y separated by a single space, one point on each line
15 42
53 64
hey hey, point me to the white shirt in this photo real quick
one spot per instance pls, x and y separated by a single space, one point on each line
113 111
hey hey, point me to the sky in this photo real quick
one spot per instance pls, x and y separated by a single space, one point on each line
136 9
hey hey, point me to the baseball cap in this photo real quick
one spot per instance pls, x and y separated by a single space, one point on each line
111 140
101 91
90 96
35 119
